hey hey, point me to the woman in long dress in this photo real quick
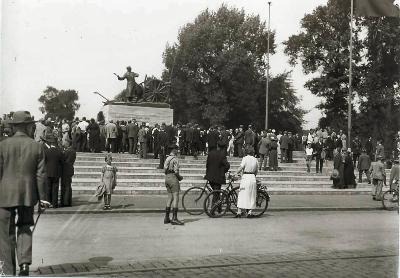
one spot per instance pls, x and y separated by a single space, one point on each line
248 186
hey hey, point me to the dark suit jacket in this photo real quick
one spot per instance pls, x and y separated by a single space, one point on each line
54 162
69 157
216 167
22 171
284 142
249 137
132 130
196 136
212 139
239 138
224 138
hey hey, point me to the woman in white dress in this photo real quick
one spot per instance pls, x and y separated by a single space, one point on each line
248 186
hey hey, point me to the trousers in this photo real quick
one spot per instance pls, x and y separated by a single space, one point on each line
15 237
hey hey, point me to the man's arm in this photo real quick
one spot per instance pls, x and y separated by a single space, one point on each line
121 78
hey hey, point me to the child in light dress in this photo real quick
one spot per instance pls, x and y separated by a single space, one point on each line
108 182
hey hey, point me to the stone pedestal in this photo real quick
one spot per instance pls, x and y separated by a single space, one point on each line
152 113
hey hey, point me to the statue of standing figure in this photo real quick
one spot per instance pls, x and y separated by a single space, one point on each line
131 85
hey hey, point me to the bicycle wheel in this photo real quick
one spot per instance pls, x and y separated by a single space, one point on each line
262 201
390 200
193 200
216 203
233 197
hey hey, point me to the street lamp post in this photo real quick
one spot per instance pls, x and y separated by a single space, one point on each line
267 82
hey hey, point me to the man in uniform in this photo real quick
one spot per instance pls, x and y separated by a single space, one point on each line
22 185
239 140
130 84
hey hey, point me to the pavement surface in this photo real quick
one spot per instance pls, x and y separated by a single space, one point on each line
279 244
156 203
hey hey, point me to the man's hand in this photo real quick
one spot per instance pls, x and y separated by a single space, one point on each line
44 204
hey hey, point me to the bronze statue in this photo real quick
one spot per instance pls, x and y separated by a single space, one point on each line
131 84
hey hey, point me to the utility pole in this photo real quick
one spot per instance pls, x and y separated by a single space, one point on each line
267 82
350 77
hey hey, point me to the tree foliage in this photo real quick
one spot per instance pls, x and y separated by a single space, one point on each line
60 104
322 47
217 68
379 91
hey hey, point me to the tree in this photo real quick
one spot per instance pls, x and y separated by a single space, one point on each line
379 92
60 104
216 69
323 49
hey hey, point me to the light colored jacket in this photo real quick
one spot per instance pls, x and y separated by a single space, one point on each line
377 170
111 130
22 171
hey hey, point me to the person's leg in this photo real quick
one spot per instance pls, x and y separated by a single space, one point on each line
7 240
261 161
368 176
360 176
379 190
54 190
24 238
175 220
373 188
145 150
321 164
317 161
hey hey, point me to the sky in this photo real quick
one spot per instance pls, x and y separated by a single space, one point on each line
79 44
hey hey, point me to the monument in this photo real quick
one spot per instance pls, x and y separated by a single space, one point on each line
146 102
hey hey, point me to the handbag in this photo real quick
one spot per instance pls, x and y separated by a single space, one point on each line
335 174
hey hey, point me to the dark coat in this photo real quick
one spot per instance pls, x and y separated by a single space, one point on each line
224 139
249 137
22 171
284 142
132 130
216 167
239 138
212 138
196 136
349 178
54 162
69 157
364 162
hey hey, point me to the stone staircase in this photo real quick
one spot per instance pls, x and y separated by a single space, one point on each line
140 176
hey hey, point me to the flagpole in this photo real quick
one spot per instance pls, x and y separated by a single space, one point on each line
267 82
350 76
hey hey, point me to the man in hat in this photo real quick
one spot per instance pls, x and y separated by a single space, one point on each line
163 143
22 185
378 176
69 156
54 164
130 84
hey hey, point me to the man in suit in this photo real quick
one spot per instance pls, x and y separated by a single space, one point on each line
216 167
111 135
22 185
54 164
163 143
239 140
249 138
223 139
212 138
142 138
284 145
69 157
196 141
156 143
133 130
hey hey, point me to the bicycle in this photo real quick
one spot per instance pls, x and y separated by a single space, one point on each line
218 202
390 199
193 199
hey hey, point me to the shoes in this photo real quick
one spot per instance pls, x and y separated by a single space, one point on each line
167 220
250 216
373 198
238 216
175 220
23 270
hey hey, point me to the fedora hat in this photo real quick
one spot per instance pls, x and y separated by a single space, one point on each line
21 117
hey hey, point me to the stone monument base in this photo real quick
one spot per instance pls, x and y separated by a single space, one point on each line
148 112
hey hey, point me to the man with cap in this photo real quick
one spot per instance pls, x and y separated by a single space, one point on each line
22 185
249 138
54 164
130 84
364 163
172 178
